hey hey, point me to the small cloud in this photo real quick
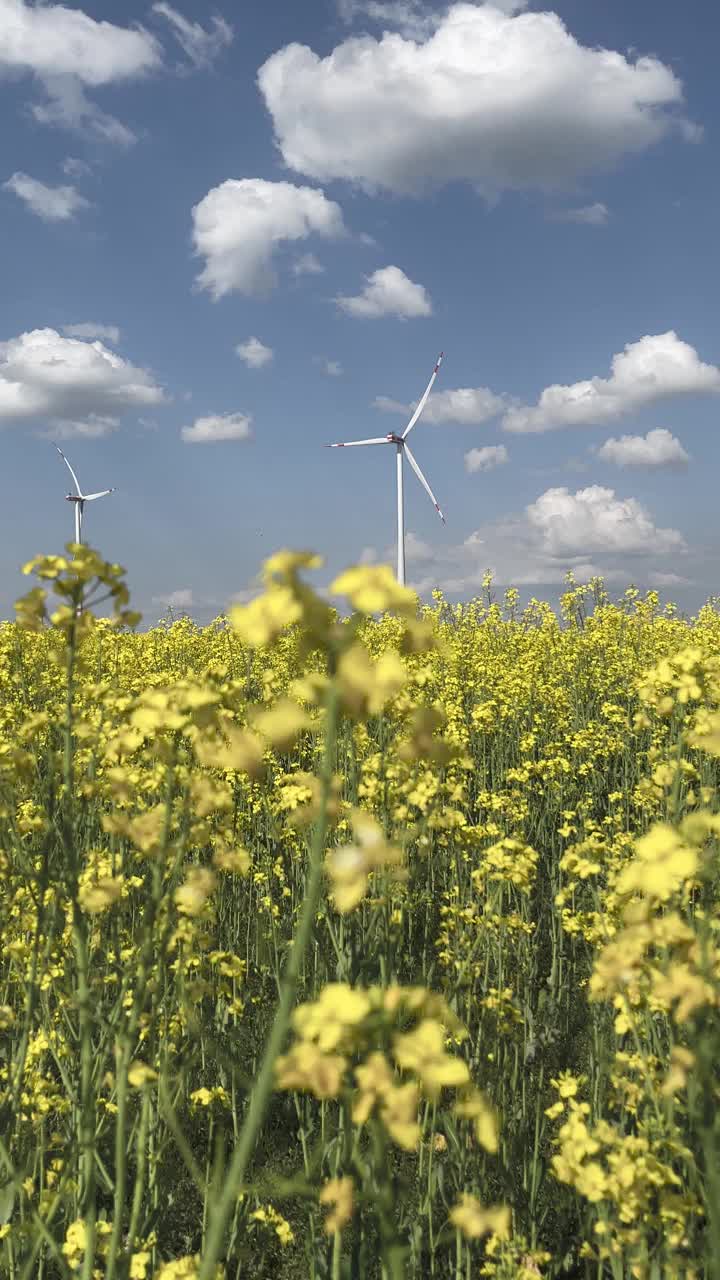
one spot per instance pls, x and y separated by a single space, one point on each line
657 450
68 107
74 168
52 204
254 353
228 426
415 548
387 292
70 384
91 428
307 265
200 46
180 599
492 455
593 215
661 579
596 520
469 406
240 226
368 555
104 332
654 368
332 368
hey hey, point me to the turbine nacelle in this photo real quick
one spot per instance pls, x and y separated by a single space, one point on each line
394 439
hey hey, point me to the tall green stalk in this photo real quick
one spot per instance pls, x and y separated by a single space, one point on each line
260 1094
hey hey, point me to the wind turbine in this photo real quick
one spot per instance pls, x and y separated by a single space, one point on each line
80 498
402 448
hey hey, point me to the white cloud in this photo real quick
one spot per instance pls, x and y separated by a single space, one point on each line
387 292
595 520
51 39
238 227
307 265
254 353
79 388
75 168
486 459
92 427
66 49
105 332
651 369
469 406
52 204
504 102
659 448
593 215
409 16
200 46
592 535
415 548
228 426
332 368
657 578
68 107
181 599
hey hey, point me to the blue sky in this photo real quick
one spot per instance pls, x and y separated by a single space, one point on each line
356 185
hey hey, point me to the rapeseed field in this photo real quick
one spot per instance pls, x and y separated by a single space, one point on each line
378 942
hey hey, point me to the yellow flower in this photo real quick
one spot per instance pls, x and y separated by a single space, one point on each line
139 1263
473 1220
96 896
566 1084
260 622
75 1241
663 863
681 1063
338 1009
423 1052
234 861
365 686
282 723
139 1074
192 897
474 1106
374 589
349 866
306 1067
285 564
338 1192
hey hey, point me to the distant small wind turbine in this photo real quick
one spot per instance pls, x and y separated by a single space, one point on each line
403 448
80 498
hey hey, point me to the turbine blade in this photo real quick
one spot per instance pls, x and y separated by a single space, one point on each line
67 464
423 481
344 444
421 403
88 497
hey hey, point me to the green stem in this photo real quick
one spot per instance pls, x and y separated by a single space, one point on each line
260 1095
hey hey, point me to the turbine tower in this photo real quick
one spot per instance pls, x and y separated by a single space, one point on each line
403 449
80 498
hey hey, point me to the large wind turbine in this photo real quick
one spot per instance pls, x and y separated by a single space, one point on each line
402 447
80 498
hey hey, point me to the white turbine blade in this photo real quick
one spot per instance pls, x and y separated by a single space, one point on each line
345 444
423 482
88 497
67 464
421 403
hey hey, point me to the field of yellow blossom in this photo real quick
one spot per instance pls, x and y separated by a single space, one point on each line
357 943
